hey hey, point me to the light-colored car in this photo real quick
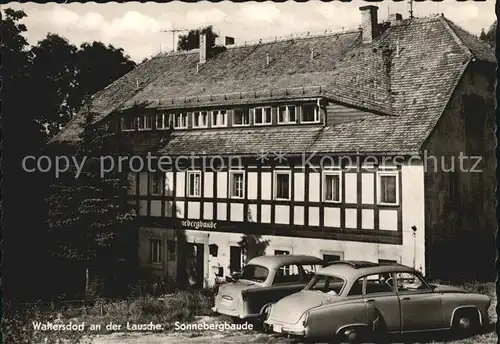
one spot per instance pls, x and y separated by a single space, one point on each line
348 300
263 281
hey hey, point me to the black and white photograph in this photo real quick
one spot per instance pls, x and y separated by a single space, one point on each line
249 172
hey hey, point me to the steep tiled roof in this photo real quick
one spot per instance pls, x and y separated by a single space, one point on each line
395 75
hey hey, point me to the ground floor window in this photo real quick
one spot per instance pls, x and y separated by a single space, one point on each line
155 251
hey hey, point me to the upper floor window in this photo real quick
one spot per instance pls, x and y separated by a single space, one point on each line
156 182
162 121
287 114
331 186
128 123
282 183
310 113
262 115
241 117
180 120
237 186
194 184
219 118
144 122
387 187
200 119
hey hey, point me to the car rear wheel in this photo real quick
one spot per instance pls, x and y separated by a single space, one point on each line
466 322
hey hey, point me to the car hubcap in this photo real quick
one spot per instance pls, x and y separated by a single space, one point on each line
465 323
351 336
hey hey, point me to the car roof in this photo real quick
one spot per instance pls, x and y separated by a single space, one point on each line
274 261
353 269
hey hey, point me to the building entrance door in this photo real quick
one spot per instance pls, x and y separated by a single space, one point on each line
195 263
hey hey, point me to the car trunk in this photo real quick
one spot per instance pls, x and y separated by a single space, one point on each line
290 309
229 294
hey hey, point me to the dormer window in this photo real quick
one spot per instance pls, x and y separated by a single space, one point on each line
310 113
128 123
144 122
287 114
241 117
180 120
219 118
200 119
262 115
162 121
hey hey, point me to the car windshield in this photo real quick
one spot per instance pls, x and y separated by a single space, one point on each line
255 273
331 285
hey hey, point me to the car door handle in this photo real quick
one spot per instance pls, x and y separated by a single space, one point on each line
405 299
369 300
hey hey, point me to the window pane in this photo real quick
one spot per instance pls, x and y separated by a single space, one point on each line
332 187
237 185
309 113
379 283
291 112
282 185
267 118
410 282
258 116
388 189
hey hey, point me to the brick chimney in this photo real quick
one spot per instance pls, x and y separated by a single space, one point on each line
369 22
203 48
395 18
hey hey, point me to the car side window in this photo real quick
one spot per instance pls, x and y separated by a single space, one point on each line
308 271
288 273
410 282
357 288
379 283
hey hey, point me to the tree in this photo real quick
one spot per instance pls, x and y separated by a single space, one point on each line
97 66
191 40
52 82
489 36
88 212
252 245
22 191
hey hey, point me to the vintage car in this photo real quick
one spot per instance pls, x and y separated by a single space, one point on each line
263 281
352 300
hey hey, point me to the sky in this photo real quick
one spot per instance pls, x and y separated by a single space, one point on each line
137 27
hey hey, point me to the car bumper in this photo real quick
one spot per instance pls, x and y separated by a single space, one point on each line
295 330
235 314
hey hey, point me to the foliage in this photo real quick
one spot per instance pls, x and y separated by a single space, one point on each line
191 40
489 36
89 215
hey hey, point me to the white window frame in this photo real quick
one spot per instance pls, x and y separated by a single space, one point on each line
317 113
287 114
332 173
198 113
231 184
262 108
188 184
161 181
165 119
133 120
213 117
159 255
275 191
143 119
181 115
379 193
244 112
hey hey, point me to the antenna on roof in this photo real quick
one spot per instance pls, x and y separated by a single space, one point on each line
174 31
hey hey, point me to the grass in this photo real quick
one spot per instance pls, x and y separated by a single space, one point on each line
182 306
17 324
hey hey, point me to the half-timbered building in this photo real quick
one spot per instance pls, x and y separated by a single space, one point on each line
338 145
